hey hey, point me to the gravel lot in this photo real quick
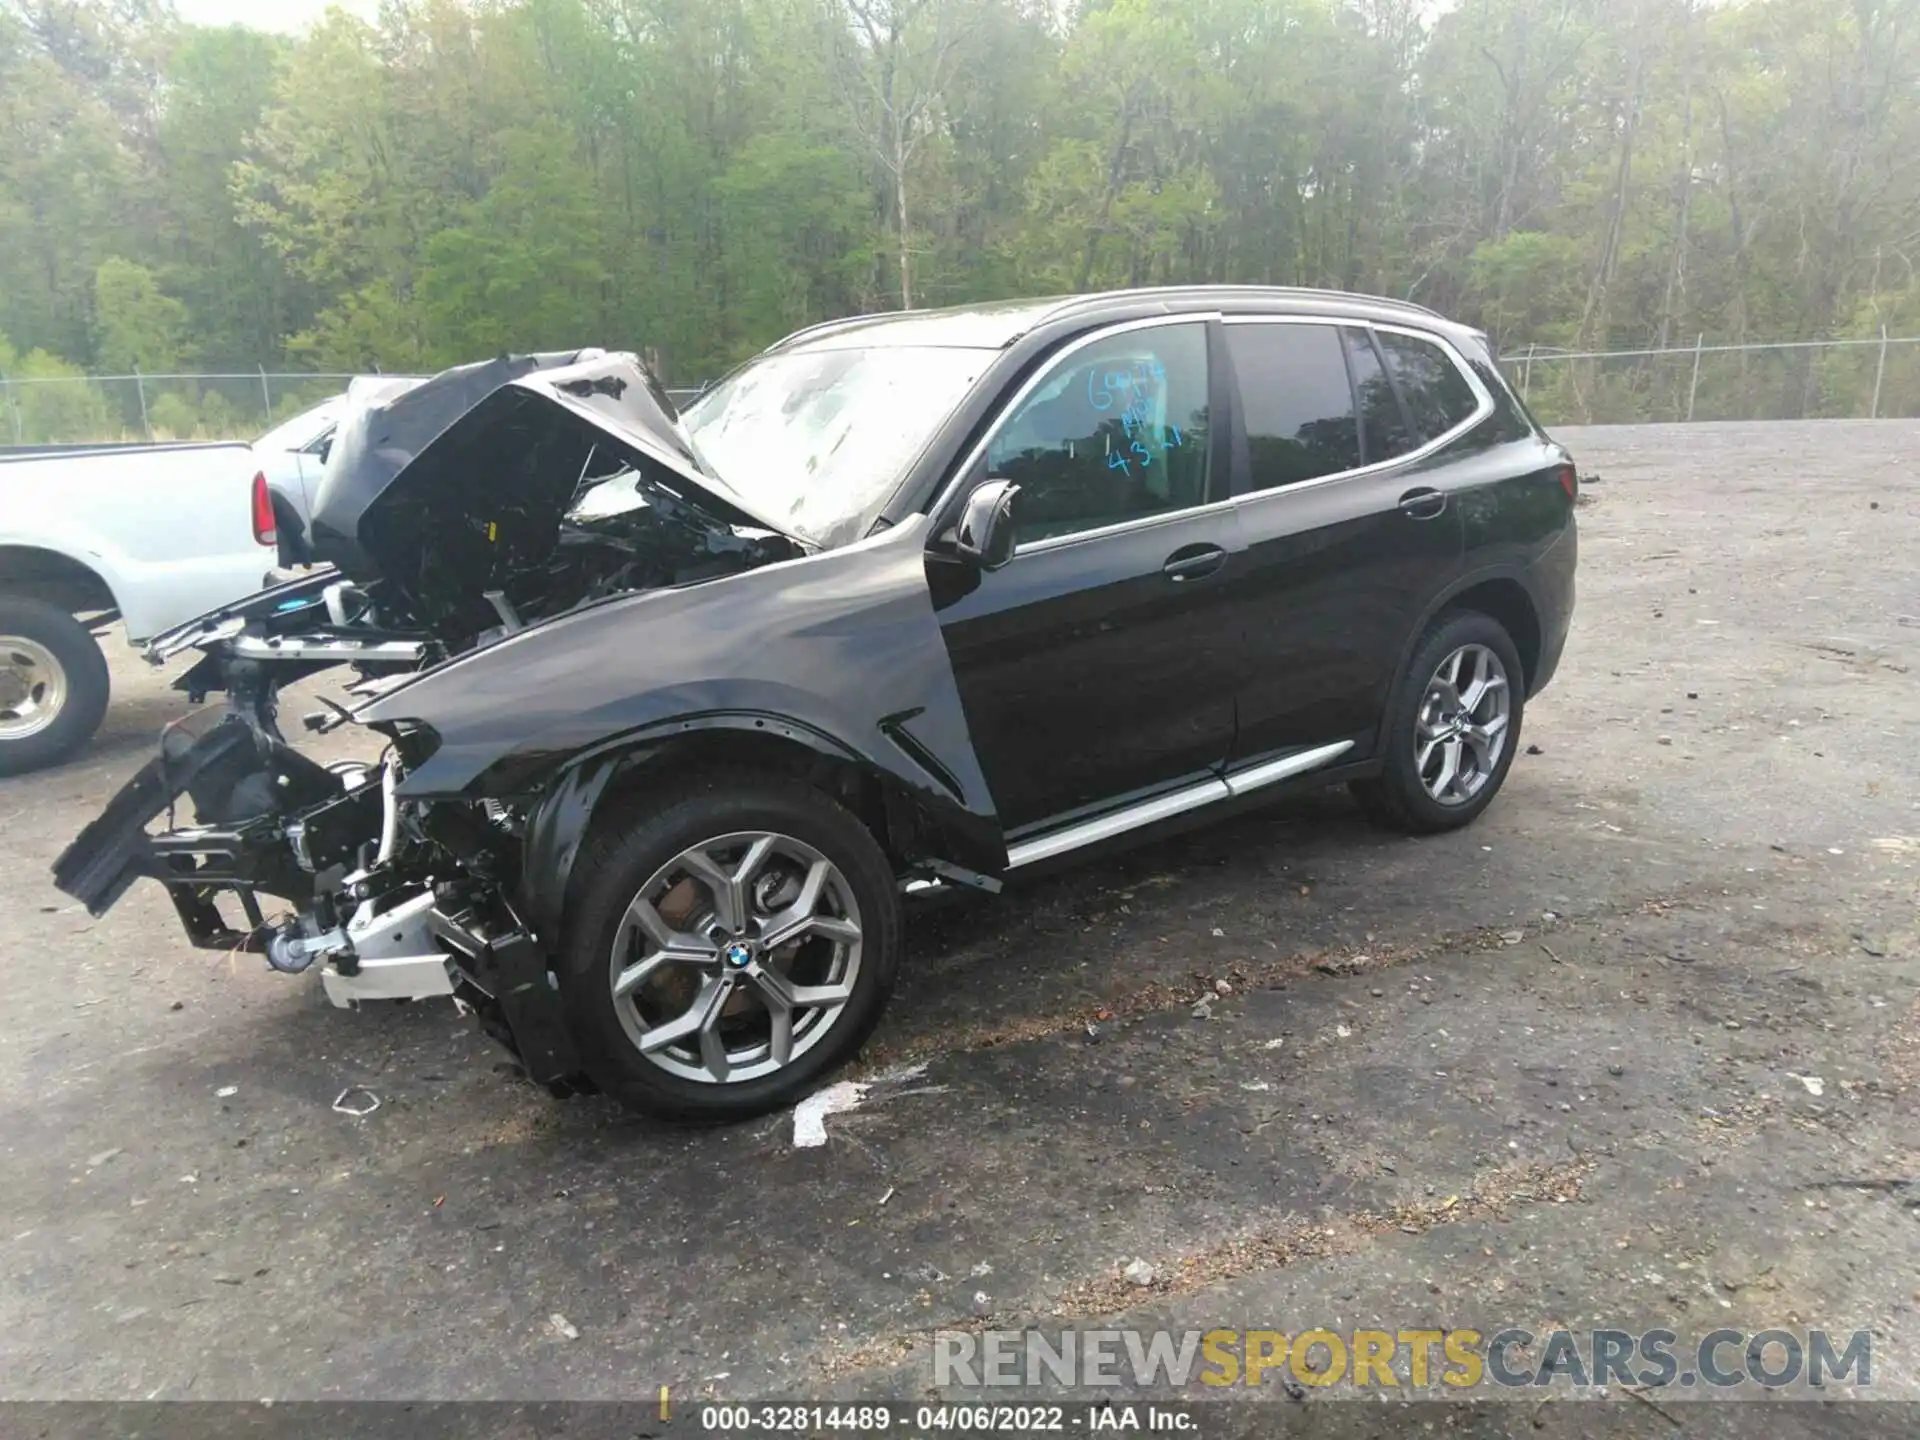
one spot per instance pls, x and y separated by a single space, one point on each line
1600 1060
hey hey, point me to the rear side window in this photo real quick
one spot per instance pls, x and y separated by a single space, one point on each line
1383 424
1297 401
1438 396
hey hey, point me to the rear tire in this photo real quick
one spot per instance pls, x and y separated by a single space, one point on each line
53 684
1454 730
703 965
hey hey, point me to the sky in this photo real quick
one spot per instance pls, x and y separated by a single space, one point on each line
284 15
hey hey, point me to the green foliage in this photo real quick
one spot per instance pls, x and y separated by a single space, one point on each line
523 270
693 178
136 327
50 402
1526 286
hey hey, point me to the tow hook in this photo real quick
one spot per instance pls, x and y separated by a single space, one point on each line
294 947
292 951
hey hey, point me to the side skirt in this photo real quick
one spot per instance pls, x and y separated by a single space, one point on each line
1232 786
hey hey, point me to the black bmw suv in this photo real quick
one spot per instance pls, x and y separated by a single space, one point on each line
674 708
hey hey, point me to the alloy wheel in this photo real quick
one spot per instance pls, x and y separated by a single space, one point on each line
1462 730
736 957
33 687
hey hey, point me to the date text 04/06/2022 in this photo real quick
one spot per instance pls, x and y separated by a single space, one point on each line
884 1419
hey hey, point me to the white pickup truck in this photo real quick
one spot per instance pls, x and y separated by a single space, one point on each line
149 535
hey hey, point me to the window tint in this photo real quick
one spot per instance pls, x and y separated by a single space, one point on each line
1383 426
1297 402
1437 394
1116 432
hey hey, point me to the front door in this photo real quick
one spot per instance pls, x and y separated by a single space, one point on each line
1098 663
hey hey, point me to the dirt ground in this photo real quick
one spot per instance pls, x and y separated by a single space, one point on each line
1641 1048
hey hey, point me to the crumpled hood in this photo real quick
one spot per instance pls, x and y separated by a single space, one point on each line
487 457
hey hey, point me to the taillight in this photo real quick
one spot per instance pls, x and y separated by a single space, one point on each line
265 530
1570 480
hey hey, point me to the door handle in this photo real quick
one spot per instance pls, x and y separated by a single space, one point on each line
1193 562
1423 504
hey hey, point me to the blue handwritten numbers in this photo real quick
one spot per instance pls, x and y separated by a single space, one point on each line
1108 386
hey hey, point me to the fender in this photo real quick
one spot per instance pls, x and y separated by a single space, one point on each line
77 545
838 651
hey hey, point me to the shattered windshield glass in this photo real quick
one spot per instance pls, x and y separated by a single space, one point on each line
817 440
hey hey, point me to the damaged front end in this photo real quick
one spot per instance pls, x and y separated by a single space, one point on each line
320 865
471 511
540 599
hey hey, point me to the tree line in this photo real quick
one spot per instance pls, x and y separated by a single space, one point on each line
694 178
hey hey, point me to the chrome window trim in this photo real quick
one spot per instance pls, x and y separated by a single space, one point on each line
1125 527
1093 337
977 454
1482 410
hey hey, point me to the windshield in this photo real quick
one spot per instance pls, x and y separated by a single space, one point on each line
816 441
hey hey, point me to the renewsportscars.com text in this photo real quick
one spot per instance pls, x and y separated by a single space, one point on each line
1396 1359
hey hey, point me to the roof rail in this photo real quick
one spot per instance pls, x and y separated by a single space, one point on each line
1287 292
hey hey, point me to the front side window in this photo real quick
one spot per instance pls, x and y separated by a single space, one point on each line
1438 396
1297 402
1116 431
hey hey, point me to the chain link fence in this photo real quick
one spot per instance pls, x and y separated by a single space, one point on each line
1876 378
121 409
136 409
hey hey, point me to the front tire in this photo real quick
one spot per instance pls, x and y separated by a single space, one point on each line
1454 731
731 941
53 684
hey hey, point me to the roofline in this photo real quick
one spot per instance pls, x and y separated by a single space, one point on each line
1046 311
834 327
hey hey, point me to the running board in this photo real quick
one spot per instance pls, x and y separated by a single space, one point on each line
1165 807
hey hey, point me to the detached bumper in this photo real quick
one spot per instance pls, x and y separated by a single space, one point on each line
115 850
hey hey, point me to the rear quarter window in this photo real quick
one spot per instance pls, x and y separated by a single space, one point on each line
1438 396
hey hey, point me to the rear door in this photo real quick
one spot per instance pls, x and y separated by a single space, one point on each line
1100 662
1348 528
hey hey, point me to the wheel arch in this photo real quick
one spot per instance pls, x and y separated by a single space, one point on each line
58 579
1506 599
593 788
1502 594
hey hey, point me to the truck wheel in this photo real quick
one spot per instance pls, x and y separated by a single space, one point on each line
53 684
729 943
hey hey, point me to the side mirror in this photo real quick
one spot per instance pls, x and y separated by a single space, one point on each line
985 535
